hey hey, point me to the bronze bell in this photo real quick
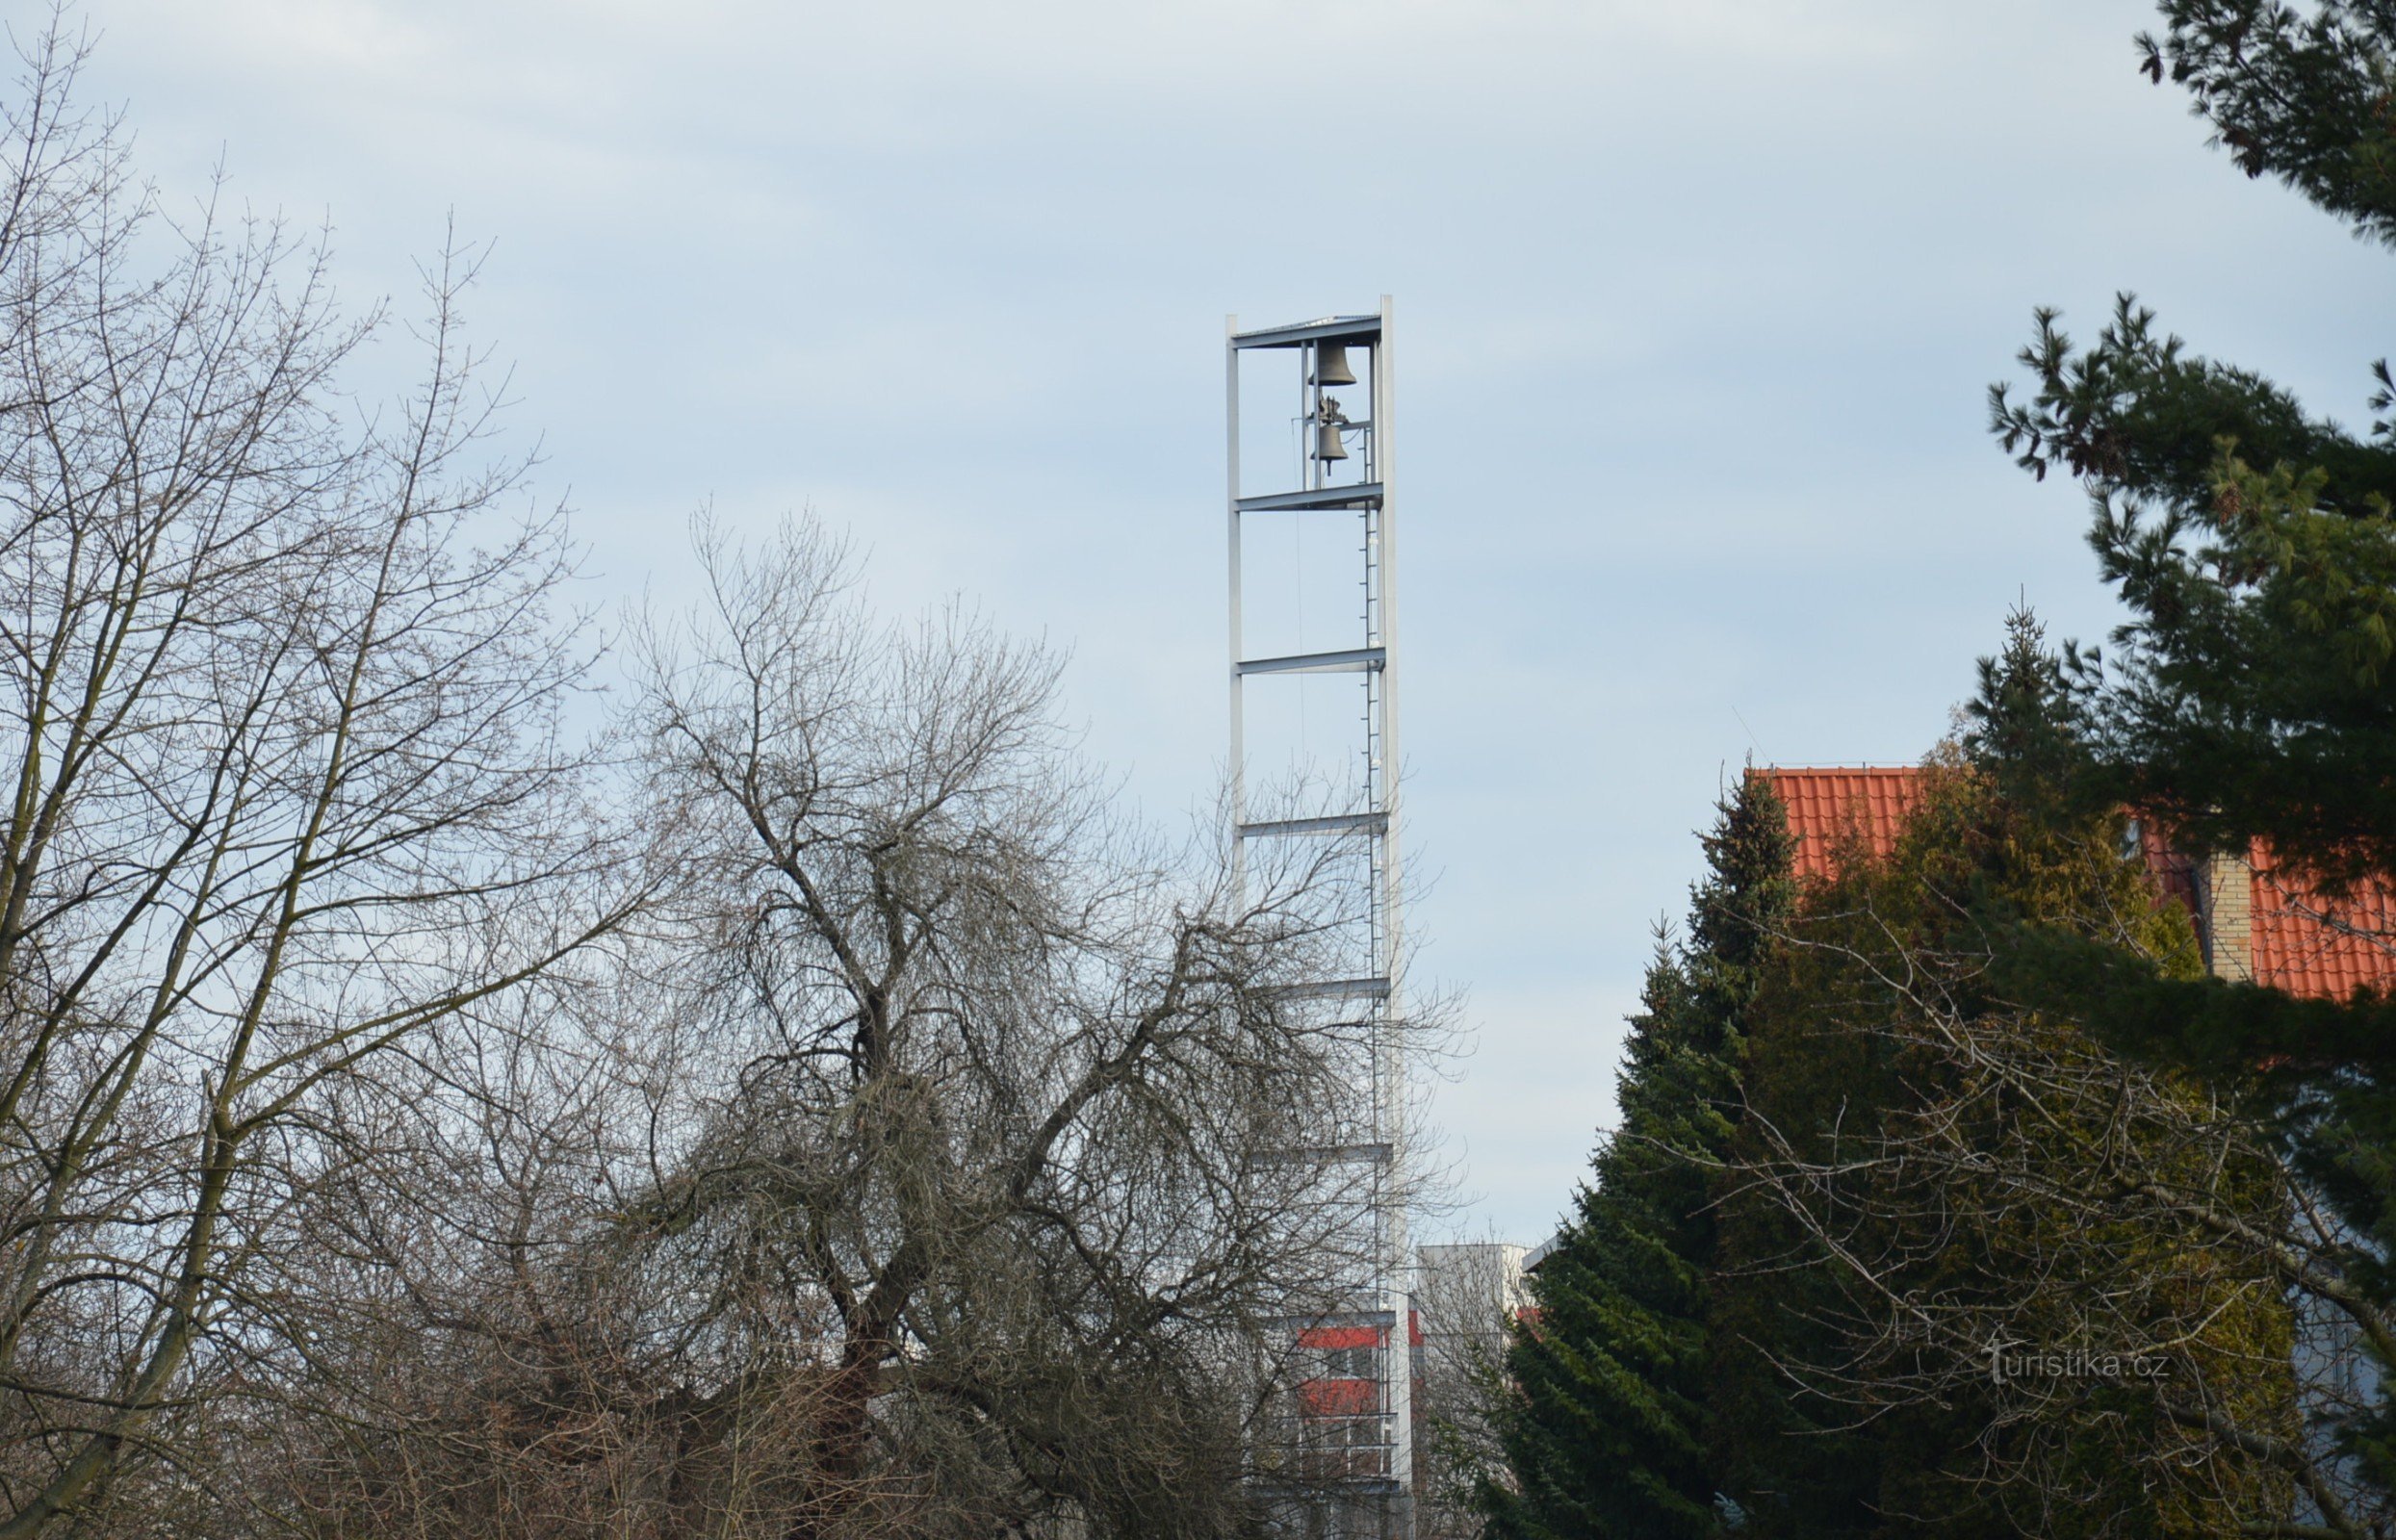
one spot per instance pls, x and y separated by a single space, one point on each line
1328 421
1331 366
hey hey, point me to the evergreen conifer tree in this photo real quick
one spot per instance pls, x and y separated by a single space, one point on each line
1925 1167
2252 692
1609 1436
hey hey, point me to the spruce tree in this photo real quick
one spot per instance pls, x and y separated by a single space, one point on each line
1609 1436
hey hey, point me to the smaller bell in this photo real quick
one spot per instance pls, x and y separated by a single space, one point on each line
1331 366
1328 421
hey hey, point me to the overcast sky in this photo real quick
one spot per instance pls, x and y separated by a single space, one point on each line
1696 299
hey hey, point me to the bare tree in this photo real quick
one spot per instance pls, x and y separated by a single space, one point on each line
924 1152
944 1159
288 786
499 1346
1024 1110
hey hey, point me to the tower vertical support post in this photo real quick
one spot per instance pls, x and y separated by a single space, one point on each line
1389 1068
1236 789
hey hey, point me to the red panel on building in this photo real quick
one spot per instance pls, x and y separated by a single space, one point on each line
1340 1337
1339 1398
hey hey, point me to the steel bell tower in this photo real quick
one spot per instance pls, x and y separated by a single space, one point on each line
1329 488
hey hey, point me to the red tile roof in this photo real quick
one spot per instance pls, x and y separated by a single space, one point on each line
2313 945
2303 942
1834 807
